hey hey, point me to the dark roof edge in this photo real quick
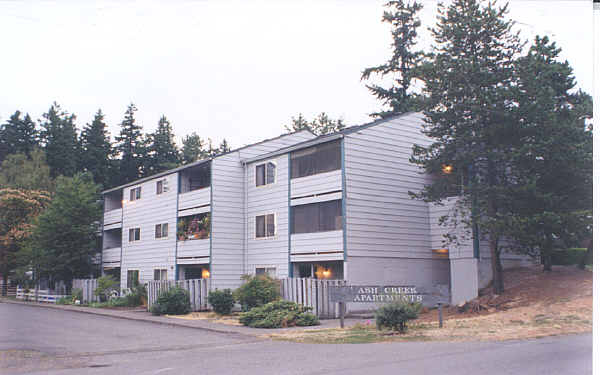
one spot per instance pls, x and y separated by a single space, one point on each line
324 138
196 163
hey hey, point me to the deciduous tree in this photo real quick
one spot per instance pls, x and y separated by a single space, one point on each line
19 171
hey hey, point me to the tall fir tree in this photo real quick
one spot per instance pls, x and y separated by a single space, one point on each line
193 148
469 82
553 167
18 136
320 125
163 153
401 67
60 141
97 150
131 148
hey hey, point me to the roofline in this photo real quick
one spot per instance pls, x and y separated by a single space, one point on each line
198 162
324 138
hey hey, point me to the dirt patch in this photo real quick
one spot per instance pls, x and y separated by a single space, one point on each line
535 304
232 320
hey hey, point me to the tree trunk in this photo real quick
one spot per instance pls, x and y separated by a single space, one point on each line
4 284
547 253
587 257
498 277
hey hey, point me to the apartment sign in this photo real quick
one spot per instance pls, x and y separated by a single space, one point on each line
384 294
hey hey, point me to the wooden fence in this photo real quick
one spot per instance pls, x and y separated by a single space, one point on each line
198 289
88 286
312 293
43 295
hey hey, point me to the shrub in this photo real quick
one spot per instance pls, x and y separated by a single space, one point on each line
222 301
279 314
175 301
394 315
118 302
77 294
63 301
257 291
106 286
568 257
137 295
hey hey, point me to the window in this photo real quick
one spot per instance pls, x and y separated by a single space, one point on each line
135 193
269 271
161 230
160 274
159 187
317 217
265 226
319 159
133 278
134 234
265 174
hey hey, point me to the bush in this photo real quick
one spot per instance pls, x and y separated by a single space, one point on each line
137 296
63 301
222 301
118 302
77 294
106 286
175 301
257 291
568 257
279 314
394 315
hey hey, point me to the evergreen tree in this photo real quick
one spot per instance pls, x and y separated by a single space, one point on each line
469 82
64 239
224 147
401 67
60 142
17 135
163 153
131 148
552 199
193 148
97 150
26 173
320 125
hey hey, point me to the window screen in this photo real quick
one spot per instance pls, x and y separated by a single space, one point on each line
317 217
135 193
265 226
269 271
270 173
160 274
134 234
133 278
159 187
161 230
260 175
319 159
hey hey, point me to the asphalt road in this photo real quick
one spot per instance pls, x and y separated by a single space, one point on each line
36 340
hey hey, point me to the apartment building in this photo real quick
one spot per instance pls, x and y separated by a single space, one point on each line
328 207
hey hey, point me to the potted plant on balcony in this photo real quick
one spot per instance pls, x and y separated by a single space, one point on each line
181 230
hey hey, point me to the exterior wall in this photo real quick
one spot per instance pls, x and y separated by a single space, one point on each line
381 219
317 246
229 217
267 199
150 253
193 249
464 284
193 199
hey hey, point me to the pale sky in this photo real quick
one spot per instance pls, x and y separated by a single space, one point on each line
226 69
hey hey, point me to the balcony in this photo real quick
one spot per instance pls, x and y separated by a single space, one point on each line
195 198
193 251
111 257
317 246
112 219
316 184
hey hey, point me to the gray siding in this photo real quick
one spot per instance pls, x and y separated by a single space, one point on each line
316 184
150 253
261 200
113 217
317 246
194 198
229 216
381 219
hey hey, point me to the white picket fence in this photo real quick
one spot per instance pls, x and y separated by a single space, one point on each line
88 286
198 289
43 295
312 293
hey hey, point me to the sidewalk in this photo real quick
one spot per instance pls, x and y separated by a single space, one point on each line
142 315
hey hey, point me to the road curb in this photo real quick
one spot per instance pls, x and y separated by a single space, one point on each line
138 319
